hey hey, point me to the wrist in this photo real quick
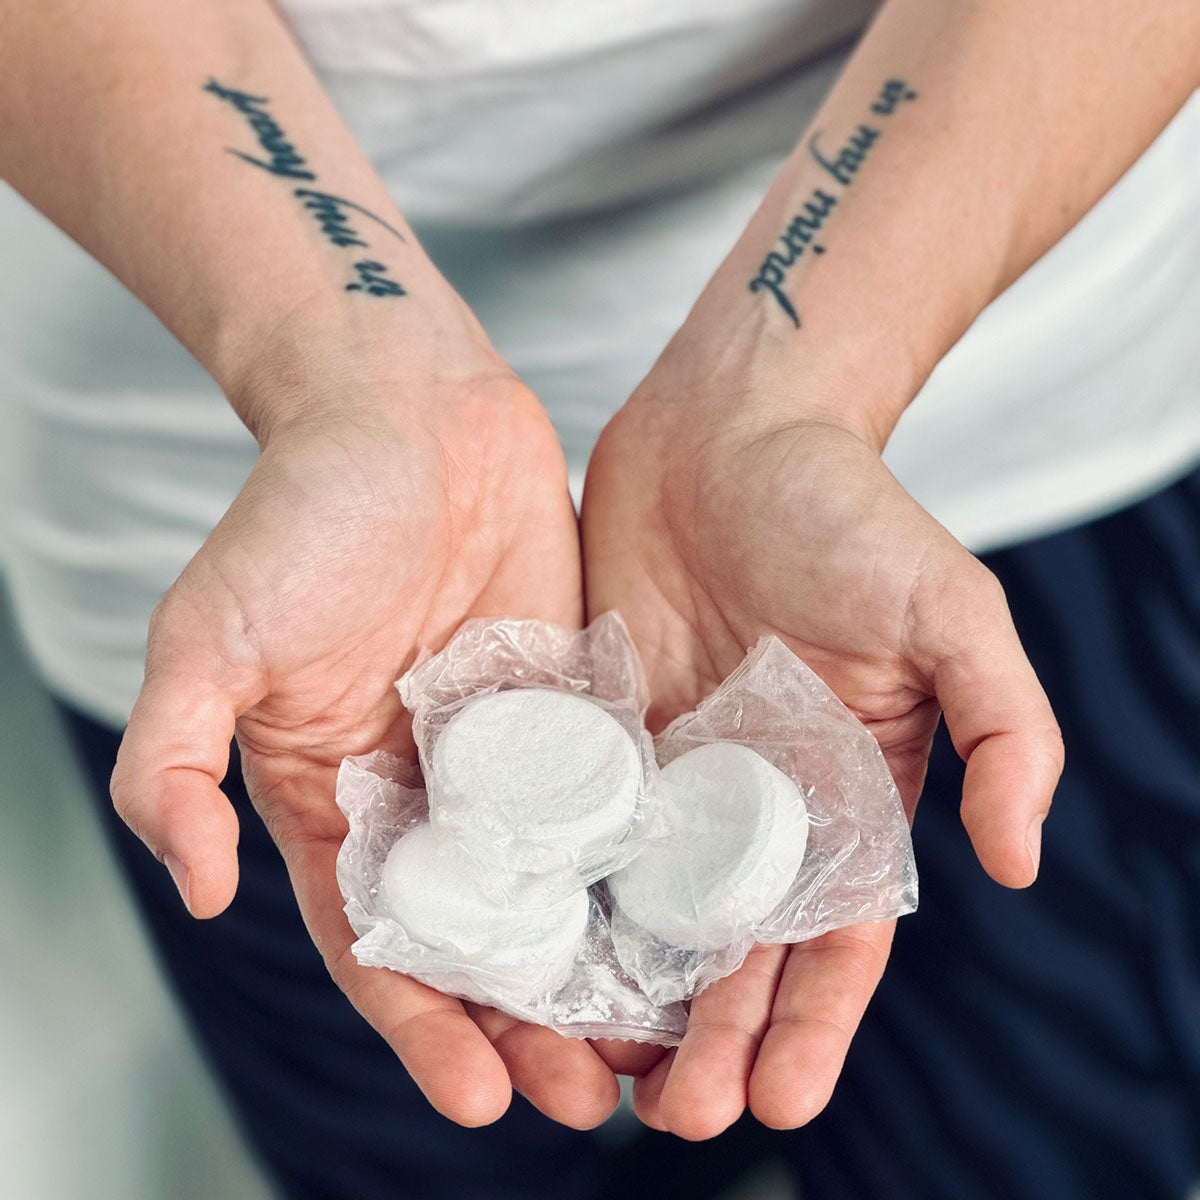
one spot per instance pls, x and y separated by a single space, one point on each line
355 358
847 286
731 365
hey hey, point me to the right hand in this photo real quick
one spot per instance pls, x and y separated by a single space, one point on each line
394 508
710 522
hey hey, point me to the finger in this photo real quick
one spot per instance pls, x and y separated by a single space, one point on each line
1004 729
445 1052
706 1089
822 995
166 785
628 1058
560 1076
647 1092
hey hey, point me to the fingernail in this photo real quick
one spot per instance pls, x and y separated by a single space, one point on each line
1033 840
179 875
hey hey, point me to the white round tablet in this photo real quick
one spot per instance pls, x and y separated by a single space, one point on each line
739 828
434 891
533 779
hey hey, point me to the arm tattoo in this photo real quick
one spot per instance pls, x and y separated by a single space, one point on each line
331 213
799 237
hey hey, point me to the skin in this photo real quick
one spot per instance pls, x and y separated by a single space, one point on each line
740 491
341 555
409 481
897 617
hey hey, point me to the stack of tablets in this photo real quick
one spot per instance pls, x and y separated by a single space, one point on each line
526 787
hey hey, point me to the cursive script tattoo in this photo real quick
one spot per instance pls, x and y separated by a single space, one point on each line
849 157
796 238
330 212
799 236
371 279
283 158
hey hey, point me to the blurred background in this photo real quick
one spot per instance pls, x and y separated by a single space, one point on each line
102 1093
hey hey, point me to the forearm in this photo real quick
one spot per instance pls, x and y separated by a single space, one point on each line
961 142
189 148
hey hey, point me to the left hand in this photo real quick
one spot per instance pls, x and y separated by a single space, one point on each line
394 507
707 532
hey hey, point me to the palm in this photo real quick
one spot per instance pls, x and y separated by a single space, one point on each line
777 543
358 553
341 557
707 540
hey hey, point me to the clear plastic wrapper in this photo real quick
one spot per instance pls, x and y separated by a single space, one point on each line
856 861
534 752
766 815
384 803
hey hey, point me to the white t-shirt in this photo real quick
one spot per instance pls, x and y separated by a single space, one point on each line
578 171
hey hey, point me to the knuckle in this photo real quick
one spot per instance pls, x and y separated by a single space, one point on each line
981 604
119 789
989 586
1055 747
160 623
130 810
124 792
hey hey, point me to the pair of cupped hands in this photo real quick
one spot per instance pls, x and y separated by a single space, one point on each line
397 495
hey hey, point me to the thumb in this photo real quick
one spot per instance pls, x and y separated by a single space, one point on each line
172 759
1004 730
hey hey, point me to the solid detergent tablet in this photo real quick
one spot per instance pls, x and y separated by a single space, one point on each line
738 832
534 779
434 891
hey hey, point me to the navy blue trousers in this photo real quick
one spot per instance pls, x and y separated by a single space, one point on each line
1036 1045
